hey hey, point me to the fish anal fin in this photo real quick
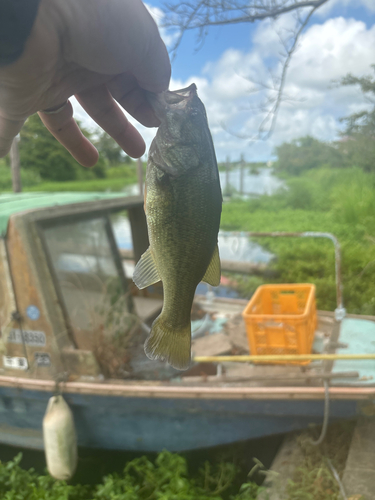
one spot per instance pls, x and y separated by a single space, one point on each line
145 272
213 273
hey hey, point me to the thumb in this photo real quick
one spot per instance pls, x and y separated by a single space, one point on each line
116 37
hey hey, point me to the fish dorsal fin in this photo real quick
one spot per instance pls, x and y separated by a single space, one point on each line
145 272
213 272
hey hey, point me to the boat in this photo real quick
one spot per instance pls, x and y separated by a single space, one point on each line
72 323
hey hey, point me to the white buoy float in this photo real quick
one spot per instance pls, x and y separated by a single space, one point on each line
60 441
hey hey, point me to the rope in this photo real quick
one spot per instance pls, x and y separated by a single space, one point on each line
338 480
325 418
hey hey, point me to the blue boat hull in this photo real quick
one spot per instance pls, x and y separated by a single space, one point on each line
153 424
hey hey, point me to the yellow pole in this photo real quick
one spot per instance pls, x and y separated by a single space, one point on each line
284 357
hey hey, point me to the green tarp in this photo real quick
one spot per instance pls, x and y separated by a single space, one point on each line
12 203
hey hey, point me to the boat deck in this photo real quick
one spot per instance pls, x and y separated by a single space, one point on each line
354 335
222 332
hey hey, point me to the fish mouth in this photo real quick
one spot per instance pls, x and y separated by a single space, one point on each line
176 98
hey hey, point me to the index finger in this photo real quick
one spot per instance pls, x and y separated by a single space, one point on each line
63 126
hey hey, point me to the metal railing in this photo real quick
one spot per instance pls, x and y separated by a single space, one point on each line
340 310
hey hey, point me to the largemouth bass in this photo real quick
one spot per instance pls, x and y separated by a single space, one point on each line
183 207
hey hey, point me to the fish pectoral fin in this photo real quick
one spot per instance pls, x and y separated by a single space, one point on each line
213 272
145 272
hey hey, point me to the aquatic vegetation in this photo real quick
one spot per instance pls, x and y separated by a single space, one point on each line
167 478
339 202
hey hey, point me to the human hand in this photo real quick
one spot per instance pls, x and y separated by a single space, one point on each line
101 51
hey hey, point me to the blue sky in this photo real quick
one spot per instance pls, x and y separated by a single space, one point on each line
339 39
190 61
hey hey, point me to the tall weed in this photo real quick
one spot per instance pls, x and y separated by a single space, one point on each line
353 200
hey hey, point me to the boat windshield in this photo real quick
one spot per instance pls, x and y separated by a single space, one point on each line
92 286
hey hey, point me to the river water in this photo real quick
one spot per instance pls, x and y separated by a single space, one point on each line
264 182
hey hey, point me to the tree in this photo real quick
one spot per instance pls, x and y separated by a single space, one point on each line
364 121
42 153
199 15
305 154
358 143
355 149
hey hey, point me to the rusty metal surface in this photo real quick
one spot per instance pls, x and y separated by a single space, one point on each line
7 299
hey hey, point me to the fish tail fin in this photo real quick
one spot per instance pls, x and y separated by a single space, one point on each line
167 344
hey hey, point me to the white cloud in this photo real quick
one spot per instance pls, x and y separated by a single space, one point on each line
330 50
327 51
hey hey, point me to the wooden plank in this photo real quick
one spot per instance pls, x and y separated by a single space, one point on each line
26 293
236 332
93 208
157 390
211 345
30 280
8 301
138 224
294 378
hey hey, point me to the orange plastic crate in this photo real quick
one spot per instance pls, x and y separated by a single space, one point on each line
281 319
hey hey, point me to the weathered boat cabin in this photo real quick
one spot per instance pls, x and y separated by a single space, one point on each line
63 283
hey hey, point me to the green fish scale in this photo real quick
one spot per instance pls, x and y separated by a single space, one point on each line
183 216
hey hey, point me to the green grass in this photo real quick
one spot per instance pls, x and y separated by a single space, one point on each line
116 184
339 202
116 178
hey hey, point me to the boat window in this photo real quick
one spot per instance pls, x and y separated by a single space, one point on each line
92 288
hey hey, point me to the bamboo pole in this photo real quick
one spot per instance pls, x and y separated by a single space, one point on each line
15 166
283 357
227 167
242 167
140 175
